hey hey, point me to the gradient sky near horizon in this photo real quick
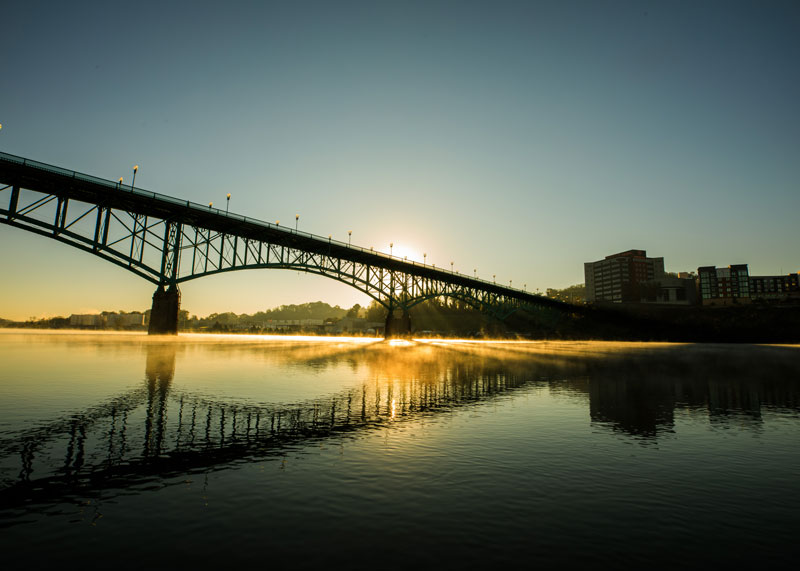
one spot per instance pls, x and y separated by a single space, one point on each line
520 139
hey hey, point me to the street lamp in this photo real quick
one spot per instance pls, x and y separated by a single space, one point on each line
296 221
424 258
494 278
119 182
135 168
475 271
277 223
391 245
509 282
349 233
451 267
210 204
227 202
525 287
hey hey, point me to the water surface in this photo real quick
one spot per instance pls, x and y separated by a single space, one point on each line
258 450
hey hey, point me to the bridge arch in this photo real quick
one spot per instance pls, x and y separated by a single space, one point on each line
168 241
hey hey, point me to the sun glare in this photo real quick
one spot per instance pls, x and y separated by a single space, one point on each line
404 251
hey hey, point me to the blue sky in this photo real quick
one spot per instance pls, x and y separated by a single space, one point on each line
518 138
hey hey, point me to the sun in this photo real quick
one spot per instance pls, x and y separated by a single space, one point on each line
400 250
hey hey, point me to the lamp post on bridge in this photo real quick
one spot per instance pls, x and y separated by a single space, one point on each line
119 182
391 245
494 278
424 258
135 168
452 271
210 204
475 271
349 234
227 202
296 221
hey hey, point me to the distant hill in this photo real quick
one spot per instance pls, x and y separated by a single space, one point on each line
311 310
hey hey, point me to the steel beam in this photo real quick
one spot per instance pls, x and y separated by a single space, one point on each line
393 283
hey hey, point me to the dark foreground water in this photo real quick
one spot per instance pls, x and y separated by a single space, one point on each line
124 451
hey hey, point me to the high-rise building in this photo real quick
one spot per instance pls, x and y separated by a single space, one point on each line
621 277
724 286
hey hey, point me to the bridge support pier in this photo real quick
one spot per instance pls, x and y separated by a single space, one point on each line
405 324
397 327
387 329
164 313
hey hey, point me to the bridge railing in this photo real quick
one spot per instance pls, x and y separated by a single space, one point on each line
119 187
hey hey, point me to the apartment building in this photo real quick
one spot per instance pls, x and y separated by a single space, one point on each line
620 278
724 286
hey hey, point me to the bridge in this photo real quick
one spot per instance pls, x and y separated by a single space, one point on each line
168 241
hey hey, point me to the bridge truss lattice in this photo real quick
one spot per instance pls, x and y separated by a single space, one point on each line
168 241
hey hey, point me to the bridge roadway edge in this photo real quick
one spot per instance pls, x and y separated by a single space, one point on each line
65 185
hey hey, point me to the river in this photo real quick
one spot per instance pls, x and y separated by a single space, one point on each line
128 451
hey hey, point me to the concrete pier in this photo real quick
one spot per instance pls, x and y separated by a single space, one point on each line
397 327
387 329
405 324
164 313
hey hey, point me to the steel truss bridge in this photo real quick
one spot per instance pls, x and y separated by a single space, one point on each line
168 241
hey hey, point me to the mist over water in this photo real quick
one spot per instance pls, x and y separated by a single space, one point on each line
360 452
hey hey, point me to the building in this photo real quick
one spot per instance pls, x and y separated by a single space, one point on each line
775 288
109 320
354 325
291 325
87 320
724 286
671 289
621 278
125 320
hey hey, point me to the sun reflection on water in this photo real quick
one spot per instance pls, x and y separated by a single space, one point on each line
213 399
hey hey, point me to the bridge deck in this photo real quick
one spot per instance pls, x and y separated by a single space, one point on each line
41 177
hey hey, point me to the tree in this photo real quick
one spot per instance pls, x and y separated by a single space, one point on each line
354 311
375 312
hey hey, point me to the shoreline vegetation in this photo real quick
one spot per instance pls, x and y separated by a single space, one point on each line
754 323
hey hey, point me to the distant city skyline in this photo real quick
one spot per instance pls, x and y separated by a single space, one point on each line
521 139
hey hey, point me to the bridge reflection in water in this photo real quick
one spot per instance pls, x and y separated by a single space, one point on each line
159 431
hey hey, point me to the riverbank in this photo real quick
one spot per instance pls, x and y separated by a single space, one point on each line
741 324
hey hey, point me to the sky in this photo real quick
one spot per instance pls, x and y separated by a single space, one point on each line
518 139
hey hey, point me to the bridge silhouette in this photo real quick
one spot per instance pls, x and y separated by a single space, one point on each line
168 241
